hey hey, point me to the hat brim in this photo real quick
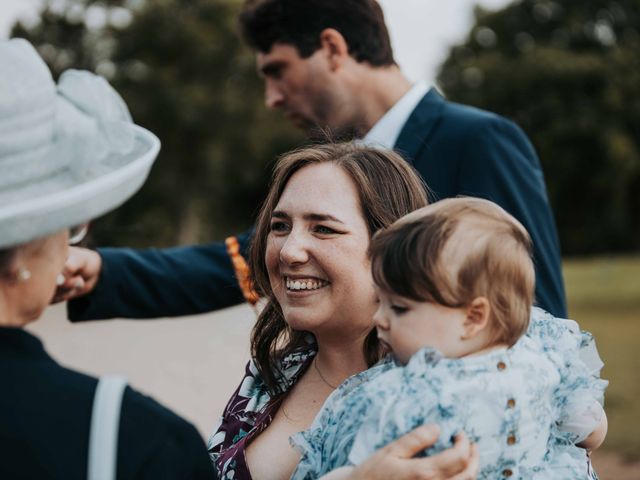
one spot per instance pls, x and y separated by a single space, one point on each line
85 199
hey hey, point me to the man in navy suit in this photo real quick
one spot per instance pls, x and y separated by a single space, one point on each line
329 64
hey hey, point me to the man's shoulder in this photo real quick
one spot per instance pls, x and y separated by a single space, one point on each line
447 114
467 116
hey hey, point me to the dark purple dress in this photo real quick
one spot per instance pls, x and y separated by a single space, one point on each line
249 412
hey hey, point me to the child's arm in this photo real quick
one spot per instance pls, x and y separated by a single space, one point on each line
595 438
341 473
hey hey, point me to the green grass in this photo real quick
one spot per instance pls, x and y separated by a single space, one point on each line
604 298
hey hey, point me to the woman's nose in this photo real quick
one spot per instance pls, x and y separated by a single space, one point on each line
294 250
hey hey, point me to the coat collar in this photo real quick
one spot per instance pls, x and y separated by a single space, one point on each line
419 127
18 340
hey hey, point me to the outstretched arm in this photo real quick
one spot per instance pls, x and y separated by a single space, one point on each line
150 283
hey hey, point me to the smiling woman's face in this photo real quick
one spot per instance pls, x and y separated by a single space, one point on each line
316 254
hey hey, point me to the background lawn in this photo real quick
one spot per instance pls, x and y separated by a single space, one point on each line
604 297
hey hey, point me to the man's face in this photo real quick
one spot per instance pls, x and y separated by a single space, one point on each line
299 87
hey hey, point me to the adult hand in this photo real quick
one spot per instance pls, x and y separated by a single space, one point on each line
460 462
80 274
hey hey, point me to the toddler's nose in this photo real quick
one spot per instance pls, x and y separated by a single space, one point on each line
380 319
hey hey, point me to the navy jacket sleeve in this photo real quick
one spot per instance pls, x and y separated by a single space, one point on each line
500 164
161 283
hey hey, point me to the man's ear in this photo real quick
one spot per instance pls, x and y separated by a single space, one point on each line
477 317
335 47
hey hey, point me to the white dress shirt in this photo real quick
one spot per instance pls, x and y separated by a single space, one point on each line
385 132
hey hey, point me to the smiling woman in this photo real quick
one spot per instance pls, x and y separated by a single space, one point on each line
316 254
310 259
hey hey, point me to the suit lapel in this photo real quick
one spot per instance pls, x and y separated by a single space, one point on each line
419 127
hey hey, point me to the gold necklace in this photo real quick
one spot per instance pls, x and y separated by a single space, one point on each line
315 364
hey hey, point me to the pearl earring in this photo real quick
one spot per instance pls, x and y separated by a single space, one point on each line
23 275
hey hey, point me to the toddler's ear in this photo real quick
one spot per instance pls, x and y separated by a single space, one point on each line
477 317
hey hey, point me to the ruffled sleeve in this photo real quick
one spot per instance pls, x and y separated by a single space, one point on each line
562 335
580 394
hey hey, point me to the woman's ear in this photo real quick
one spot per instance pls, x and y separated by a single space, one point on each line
477 317
335 47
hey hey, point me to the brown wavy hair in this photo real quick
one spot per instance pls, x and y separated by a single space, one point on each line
388 188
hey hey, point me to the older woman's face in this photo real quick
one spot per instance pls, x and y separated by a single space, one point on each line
316 254
44 258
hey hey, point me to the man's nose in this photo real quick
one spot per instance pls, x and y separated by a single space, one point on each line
273 97
294 250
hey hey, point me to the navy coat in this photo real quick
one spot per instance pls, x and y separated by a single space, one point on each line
45 414
458 150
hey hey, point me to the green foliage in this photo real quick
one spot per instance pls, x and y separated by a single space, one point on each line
185 76
568 73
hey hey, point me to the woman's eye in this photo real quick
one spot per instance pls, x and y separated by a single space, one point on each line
278 227
399 310
324 230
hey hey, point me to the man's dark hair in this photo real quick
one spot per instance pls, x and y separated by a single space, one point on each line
300 22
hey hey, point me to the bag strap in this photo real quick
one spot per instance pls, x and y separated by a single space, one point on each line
105 420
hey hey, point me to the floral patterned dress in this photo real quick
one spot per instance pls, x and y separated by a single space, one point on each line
250 411
525 406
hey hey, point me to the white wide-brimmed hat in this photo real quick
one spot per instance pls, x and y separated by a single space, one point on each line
68 152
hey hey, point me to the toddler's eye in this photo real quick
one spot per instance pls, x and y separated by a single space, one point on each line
399 310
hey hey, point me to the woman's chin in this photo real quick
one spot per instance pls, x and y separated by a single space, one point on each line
302 319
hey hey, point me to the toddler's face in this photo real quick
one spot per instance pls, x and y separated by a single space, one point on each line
406 326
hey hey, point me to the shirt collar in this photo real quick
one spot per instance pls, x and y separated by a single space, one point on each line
385 132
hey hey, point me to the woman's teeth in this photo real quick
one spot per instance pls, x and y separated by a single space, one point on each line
307 284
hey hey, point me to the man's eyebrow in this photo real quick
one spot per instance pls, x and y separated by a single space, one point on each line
316 217
271 68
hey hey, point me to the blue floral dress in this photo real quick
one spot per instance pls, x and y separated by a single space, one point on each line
525 406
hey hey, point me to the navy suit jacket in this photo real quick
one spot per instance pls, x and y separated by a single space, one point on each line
458 150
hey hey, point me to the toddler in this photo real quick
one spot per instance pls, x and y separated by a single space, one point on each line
455 283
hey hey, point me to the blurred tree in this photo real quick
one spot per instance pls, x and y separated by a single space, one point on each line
568 73
185 76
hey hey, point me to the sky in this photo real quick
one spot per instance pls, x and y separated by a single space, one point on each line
422 31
